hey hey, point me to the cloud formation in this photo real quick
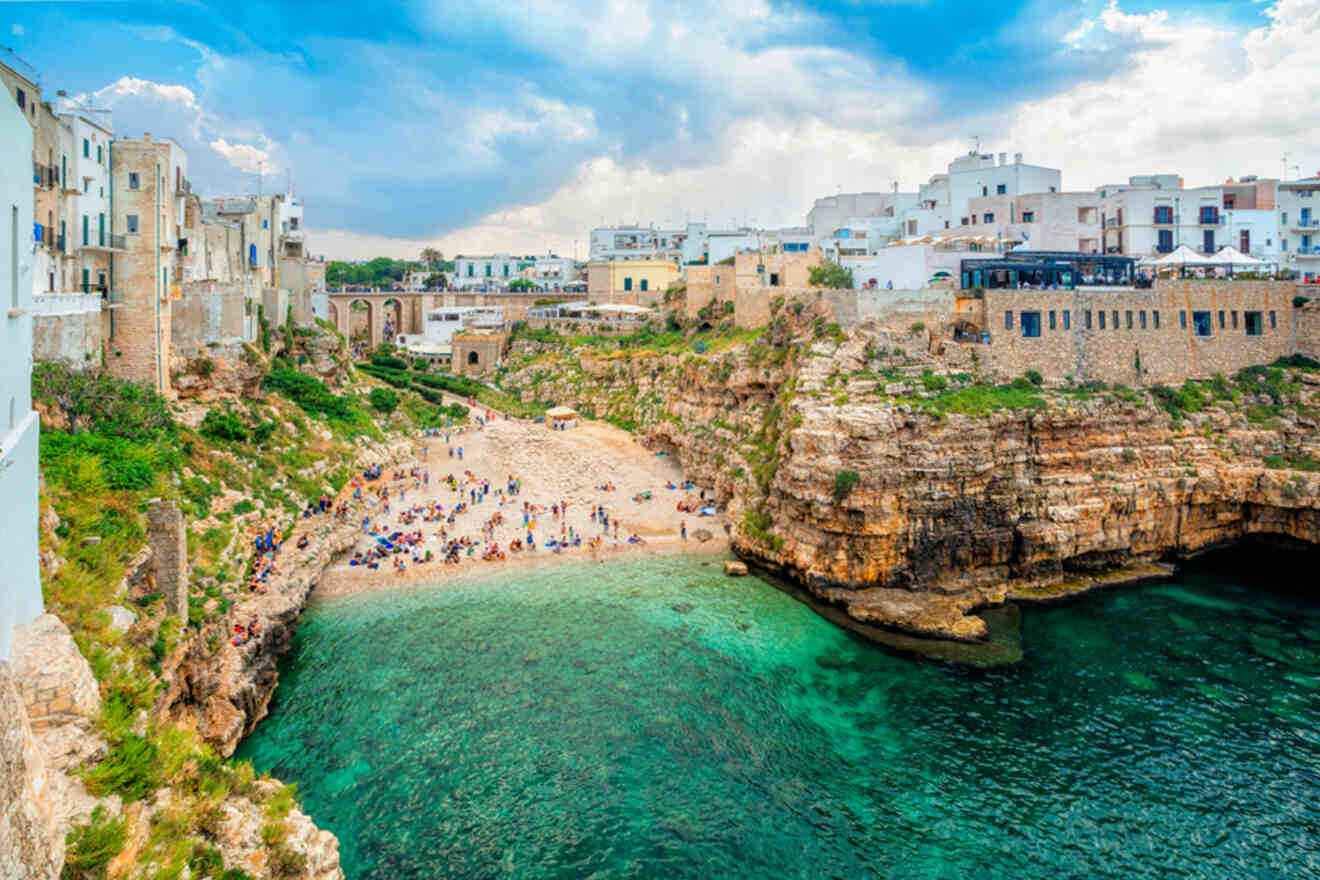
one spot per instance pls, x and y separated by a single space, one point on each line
518 128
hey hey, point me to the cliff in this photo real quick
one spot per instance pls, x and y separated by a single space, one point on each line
878 473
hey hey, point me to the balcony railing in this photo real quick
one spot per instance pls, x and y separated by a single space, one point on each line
109 242
45 176
1209 220
1307 223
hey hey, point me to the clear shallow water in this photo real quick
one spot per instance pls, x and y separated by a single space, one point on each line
666 721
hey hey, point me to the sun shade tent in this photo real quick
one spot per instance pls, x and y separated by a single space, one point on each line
561 415
1231 256
1185 256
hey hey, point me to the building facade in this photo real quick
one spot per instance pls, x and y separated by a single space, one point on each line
20 600
1299 226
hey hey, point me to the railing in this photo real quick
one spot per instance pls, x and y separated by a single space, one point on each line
1306 223
1209 220
45 176
1163 219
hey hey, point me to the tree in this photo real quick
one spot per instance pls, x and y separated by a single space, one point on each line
522 284
91 398
830 274
431 257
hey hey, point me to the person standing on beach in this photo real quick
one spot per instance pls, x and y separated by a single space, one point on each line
682 529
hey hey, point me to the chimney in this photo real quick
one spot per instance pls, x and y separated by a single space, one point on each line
1017 158
1003 158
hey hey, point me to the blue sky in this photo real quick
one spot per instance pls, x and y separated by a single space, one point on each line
518 127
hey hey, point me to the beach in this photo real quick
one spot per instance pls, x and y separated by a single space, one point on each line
550 469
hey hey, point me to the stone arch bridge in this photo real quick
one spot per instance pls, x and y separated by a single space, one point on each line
387 313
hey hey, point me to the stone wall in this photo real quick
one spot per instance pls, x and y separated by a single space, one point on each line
586 325
207 312
888 309
1306 322
67 326
1154 340
168 540
477 353
31 847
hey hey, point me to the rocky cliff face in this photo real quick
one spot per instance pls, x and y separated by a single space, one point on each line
222 692
848 465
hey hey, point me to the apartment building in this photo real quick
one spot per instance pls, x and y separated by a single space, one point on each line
1155 214
1299 226
488 272
151 187
1046 221
635 282
20 600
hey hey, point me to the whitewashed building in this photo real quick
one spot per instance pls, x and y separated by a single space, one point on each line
487 272
20 600
1299 226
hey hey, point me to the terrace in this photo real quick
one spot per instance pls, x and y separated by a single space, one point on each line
1044 270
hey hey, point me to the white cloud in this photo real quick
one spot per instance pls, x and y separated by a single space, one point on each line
242 156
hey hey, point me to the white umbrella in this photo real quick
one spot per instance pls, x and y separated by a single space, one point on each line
1231 256
1185 256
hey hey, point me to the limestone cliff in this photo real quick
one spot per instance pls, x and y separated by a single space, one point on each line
876 472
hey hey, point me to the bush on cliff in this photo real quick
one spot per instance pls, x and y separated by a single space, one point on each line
844 483
90 399
311 395
90 847
383 400
221 424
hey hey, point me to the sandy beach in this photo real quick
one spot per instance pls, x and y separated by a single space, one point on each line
552 467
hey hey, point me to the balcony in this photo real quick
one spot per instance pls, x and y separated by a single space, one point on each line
45 176
1209 220
1306 223
44 236
1311 253
113 243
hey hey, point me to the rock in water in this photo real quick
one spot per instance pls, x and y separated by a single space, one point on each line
734 568
702 535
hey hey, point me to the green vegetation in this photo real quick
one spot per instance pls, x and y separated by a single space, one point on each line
380 272
1291 463
844 483
90 847
313 397
1034 377
91 399
129 770
383 400
830 274
981 400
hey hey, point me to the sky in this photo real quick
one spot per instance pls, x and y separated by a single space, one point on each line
487 127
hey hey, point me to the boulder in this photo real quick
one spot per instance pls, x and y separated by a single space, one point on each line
734 568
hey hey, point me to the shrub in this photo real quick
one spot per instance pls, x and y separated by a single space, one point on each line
383 400
1297 362
311 395
420 365
830 274
1022 383
387 360
130 770
223 425
90 847
1035 378
728 307
93 399
844 483
85 462
244 506
933 382
918 327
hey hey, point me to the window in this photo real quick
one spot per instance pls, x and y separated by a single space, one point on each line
488 270
1008 320
21 98
1209 215
1252 320
1165 245
627 284
1285 218
1067 320
1129 319
1221 319
644 283
85 241
86 280
1086 319
985 191
1001 189
1164 214
1028 216
1030 324
132 222
1051 320
1156 316
1115 319
99 155
1101 313
87 149
1273 324
470 268
989 218
265 224
1141 322
774 279
1201 321
1234 319
1182 320
1208 241
134 181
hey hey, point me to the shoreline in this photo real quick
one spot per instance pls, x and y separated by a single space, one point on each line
340 580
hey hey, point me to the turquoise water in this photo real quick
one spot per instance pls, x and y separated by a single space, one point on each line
656 719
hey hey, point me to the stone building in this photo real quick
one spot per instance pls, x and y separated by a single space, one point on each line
635 282
477 353
151 186
1174 331
20 600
